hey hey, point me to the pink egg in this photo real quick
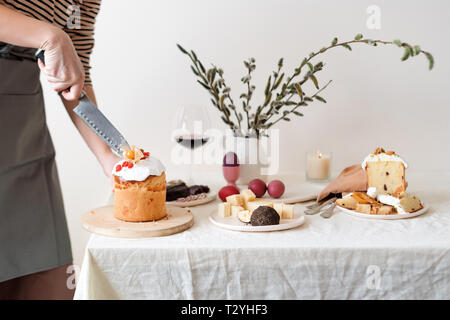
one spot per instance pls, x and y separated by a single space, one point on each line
275 188
258 187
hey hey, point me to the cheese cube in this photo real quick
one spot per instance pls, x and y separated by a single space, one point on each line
251 206
288 211
224 209
267 202
245 204
279 209
235 210
235 200
248 195
244 216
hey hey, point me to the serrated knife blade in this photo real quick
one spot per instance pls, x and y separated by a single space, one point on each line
98 123
95 119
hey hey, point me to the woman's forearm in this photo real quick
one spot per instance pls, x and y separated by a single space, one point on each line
64 69
20 30
97 146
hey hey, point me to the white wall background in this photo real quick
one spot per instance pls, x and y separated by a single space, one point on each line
141 79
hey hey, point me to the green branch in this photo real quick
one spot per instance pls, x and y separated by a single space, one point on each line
279 94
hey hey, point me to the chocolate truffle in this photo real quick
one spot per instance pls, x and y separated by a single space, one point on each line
264 216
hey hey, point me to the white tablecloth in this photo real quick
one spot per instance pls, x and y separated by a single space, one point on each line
338 258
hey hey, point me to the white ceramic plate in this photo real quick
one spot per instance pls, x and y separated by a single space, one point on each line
210 196
233 223
385 216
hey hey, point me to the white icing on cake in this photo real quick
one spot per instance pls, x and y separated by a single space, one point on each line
391 201
372 192
382 157
141 170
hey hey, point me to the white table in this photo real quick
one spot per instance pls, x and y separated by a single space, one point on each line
340 258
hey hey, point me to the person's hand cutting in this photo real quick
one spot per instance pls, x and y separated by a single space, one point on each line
63 67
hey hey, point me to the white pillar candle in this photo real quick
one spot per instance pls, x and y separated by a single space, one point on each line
318 166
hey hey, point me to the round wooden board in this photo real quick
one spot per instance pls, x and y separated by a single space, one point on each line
101 221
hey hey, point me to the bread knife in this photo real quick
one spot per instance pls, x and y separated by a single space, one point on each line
96 120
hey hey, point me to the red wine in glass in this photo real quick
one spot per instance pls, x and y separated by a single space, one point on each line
191 124
191 141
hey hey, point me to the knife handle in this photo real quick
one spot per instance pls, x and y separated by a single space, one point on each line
40 55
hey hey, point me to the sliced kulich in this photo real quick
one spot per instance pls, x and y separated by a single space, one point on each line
383 210
363 208
387 176
403 195
410 203
364 198
400 190
359 199
348 202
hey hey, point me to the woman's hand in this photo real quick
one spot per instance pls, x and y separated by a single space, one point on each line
62 65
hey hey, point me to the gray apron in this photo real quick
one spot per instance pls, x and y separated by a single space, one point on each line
33 229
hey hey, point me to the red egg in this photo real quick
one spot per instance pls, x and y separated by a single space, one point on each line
258 187
275 188
227 191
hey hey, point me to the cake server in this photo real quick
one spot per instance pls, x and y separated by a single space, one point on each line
96 120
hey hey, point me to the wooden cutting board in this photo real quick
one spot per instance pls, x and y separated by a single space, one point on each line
101 221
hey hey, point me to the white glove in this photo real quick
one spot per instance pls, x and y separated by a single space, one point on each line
62 66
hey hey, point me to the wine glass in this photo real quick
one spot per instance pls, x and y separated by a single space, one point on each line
192 122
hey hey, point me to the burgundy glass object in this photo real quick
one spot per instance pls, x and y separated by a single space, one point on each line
231 168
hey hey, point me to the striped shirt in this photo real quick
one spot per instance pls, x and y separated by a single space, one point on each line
75 17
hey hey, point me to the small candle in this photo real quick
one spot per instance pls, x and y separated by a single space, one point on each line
317 166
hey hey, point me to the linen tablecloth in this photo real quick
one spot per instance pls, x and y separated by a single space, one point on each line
343 257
